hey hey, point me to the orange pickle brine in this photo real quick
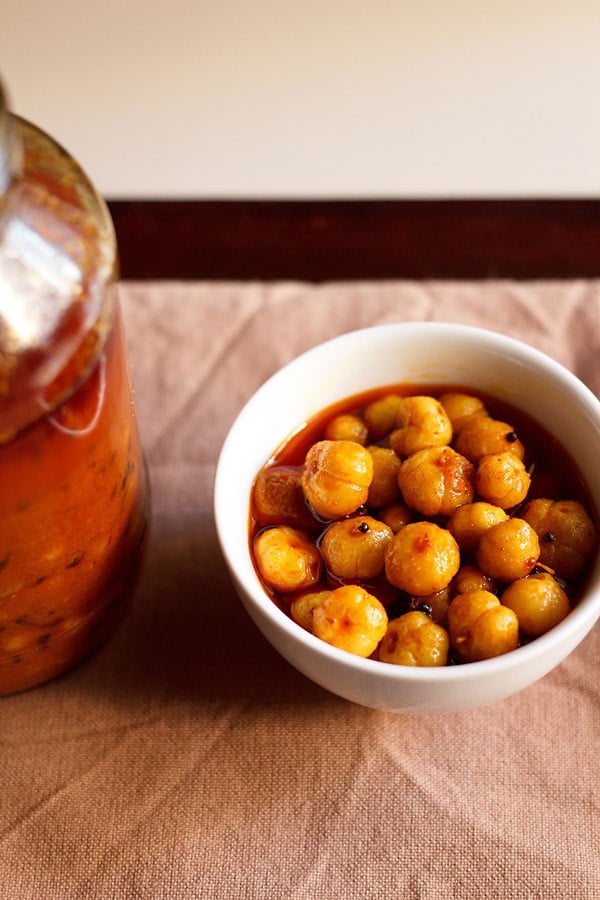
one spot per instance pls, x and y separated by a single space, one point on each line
72 523
74 499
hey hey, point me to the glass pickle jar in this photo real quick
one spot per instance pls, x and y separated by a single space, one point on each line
73 484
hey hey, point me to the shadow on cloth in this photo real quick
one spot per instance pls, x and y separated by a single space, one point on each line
188 637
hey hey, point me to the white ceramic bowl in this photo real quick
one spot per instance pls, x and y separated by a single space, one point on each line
418 353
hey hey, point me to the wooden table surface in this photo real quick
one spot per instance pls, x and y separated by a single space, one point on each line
321 240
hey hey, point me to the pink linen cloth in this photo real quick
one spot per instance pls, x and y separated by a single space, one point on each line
186 759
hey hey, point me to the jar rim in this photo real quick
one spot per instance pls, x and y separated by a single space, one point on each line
8 149
58 244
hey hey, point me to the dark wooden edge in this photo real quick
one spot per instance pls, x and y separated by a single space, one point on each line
357 239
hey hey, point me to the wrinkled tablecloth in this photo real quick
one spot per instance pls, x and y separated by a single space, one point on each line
186 759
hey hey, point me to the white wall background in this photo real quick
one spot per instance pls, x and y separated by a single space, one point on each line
314 98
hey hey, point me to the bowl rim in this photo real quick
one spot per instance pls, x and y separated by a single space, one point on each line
579 620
